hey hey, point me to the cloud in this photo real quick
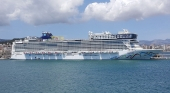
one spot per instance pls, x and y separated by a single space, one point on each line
118 10
38 12
6 8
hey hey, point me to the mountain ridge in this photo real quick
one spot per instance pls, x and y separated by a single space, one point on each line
155 42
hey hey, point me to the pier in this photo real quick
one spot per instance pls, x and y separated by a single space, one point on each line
163 55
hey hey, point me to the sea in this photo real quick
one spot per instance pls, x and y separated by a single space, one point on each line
84 76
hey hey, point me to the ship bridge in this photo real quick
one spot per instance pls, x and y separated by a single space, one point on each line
125 34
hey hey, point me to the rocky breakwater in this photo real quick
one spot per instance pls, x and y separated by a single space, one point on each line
5 51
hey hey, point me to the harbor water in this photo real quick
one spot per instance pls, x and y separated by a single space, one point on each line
84 76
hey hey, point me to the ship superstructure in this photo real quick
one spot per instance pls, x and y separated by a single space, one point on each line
123 45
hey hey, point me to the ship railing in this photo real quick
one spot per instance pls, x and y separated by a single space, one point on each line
59 52
18 41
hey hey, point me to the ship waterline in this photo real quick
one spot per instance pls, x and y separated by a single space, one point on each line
99 46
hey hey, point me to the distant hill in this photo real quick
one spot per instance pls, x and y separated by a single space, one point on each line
1 40
155 42
5 41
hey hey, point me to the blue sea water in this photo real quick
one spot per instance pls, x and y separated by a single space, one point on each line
84 76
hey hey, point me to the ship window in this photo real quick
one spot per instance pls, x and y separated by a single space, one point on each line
121 36
125 36
130 36
117 36
44 34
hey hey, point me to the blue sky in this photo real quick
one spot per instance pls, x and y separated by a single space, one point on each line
74 18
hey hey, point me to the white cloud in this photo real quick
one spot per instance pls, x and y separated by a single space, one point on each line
39 12
117 10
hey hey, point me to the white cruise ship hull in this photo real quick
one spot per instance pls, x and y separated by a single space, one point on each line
124 54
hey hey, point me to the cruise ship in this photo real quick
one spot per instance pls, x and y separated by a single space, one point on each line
105 45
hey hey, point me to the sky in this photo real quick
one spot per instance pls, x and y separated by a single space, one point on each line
73 19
